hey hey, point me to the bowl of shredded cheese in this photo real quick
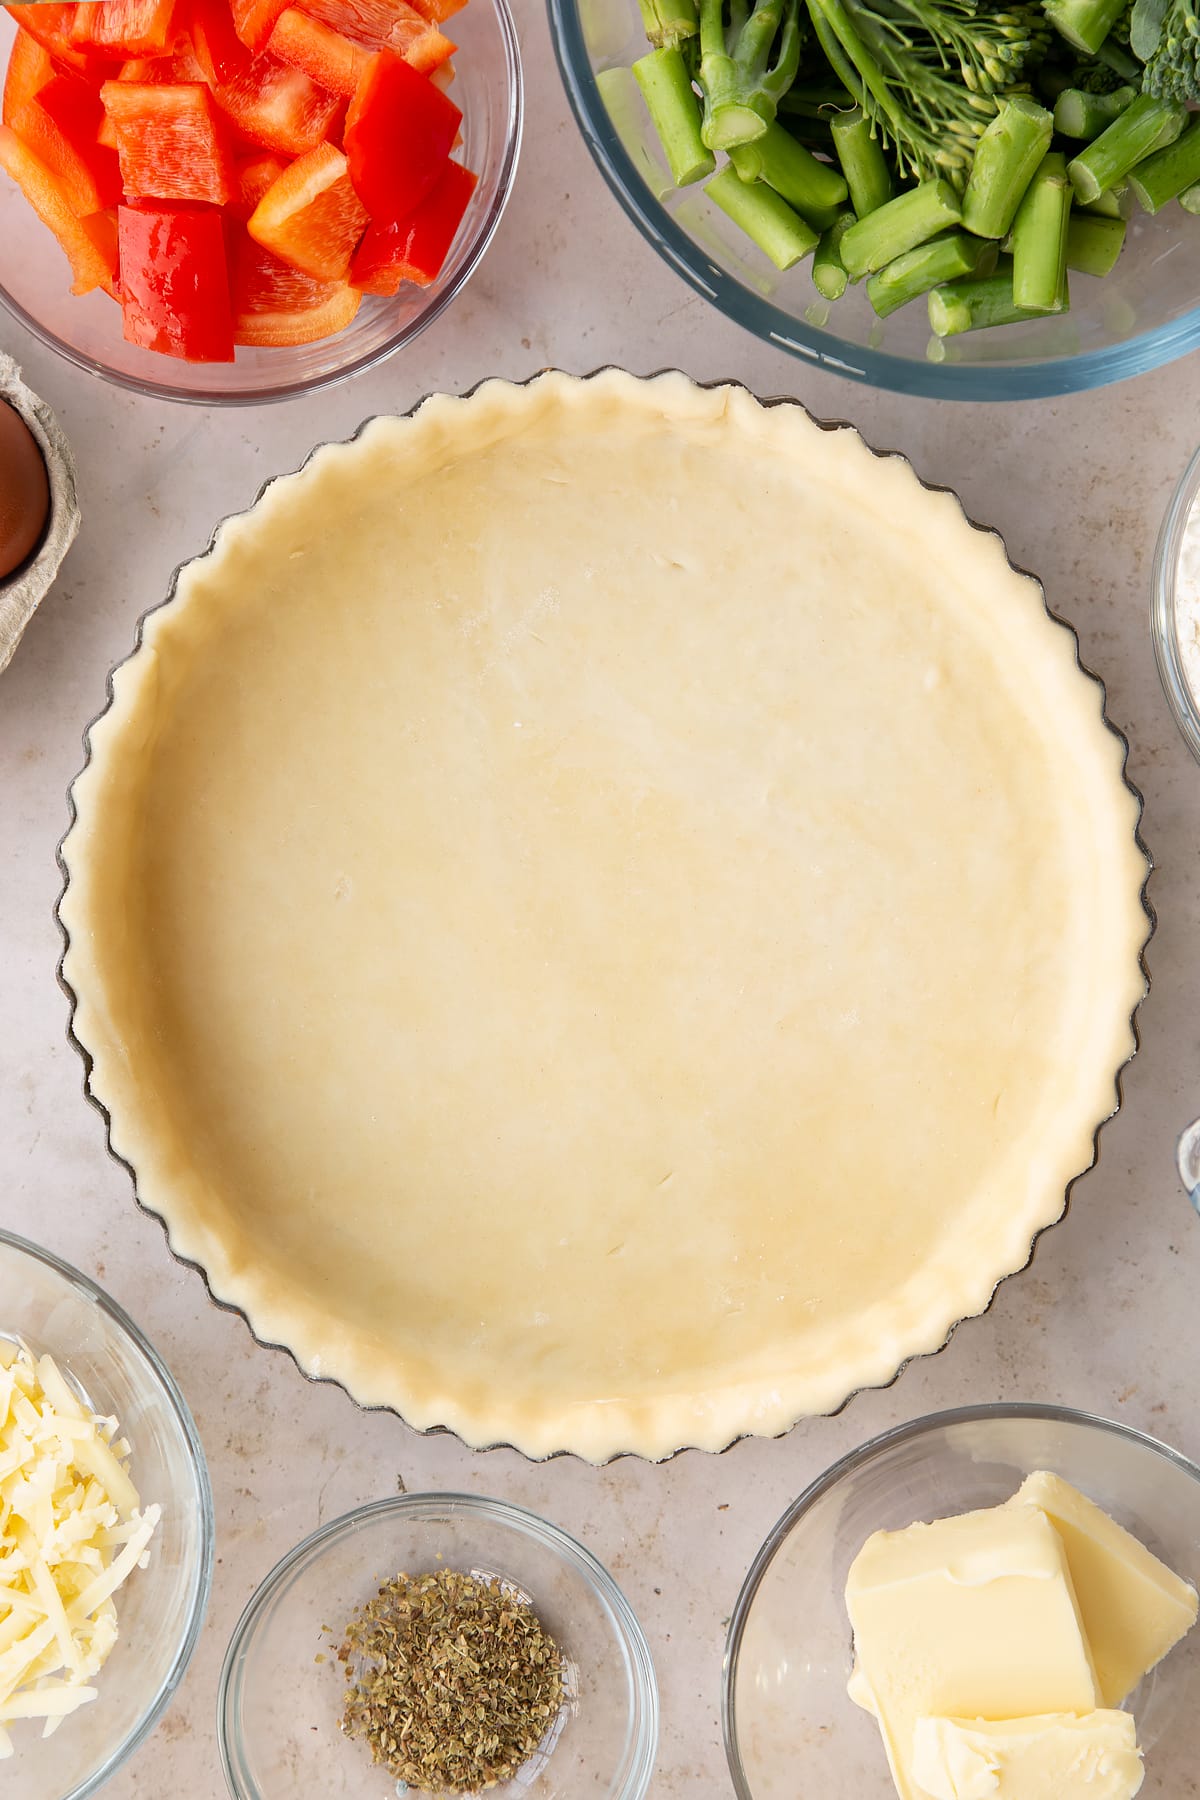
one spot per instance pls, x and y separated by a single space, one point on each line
106 1530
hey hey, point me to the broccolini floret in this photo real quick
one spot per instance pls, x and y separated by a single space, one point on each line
1173 64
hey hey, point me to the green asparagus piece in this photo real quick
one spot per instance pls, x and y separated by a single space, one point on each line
829 271
1006 159
1190 199
778 231
908 220
863 162
1039 238
815 189
928 266
669 23
1166 174
1145 126
1084 23
1080 115
675 111
976 304
1113 203
1094 243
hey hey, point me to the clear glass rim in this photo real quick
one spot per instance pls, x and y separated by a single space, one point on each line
823 349
201 1585
850 1464
1164 632
633 1779
311 384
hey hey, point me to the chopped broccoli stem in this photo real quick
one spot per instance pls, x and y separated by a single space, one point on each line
1039 238
928 266
1084 23
1120 62
742 87
779 232
829 271
1009 153
1145 126
815 189
672 104
669 23
1080 115
1166 174
1190 199
1094 243
908 220
863 163
974 305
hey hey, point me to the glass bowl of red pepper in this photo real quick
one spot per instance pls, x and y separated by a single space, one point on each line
241 200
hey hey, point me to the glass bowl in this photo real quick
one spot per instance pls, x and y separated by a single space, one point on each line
281 1685
790 1727
1145 313
35 280
1175 649
54 1309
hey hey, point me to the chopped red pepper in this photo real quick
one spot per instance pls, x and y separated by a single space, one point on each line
438 11
254 20
29 69
51 26
312 217
277 106
90 244
59 124
175 281
275 304
416 248
385 25
172 142
399 131
328 58
219 50
254 176
124 28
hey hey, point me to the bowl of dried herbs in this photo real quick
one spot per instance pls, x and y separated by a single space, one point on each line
438 1644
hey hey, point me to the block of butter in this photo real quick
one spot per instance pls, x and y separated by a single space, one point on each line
1133 1607
970 1617
1055 1757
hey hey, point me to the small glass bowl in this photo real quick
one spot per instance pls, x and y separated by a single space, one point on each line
1164 621
35 282
1142 315
54 1309
790 1727
281 1685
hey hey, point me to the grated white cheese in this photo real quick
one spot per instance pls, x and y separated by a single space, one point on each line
72 1529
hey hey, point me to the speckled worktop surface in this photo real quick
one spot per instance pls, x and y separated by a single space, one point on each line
1106 1317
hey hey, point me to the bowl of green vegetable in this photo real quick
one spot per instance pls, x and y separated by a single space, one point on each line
940 197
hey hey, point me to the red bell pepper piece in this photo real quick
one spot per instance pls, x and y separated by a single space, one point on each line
51 27
172 142
312 217
254 20
29 70
175 281
385 25
277 106
90 244
399 131
275 304
254 176
331 60
219 50
416 248
438 11
124 28
59 124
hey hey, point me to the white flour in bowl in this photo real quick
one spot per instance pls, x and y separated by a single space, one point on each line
1187 600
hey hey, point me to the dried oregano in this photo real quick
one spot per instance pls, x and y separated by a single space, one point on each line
451 1680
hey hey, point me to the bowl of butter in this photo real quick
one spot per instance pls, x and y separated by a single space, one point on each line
995 1603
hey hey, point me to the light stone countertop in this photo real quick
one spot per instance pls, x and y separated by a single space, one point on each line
1106 1318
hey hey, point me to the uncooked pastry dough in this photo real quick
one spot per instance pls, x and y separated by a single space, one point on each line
605 915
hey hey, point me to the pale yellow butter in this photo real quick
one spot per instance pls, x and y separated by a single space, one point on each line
967 1617
1052 1757
1133 1607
